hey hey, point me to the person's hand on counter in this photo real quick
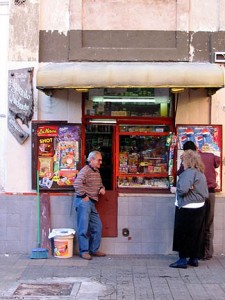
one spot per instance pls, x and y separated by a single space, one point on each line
173 189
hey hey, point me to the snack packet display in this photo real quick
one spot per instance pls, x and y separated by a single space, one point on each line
68 154
45 167
46 146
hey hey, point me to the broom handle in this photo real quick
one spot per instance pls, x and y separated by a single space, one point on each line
38 212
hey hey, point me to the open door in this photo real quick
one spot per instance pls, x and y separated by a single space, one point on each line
107 207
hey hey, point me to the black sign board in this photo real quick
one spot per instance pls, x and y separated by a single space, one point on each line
20 101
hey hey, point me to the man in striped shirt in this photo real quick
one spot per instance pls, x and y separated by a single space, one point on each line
88 185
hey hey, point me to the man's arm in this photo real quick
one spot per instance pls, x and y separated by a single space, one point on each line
79 184
216 161
180 170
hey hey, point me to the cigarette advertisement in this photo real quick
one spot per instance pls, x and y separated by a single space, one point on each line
207 138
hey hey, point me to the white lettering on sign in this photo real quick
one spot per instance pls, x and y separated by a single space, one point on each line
17 102
19 90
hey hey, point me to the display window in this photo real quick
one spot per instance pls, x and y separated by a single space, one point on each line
143 159
146 102
134 130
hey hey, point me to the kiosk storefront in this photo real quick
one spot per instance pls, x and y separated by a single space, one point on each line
129 113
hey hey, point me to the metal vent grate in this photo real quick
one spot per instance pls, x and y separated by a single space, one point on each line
19 2
55 289
220 57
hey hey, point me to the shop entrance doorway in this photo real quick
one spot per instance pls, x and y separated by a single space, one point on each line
100 138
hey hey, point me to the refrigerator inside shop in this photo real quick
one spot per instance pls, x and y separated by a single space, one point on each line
56 155
207 138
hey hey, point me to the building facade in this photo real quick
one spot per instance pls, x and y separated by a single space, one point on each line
82 45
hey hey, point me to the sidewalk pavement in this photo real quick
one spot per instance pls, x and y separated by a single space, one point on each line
137 277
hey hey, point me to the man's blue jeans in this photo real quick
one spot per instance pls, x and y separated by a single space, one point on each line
89 226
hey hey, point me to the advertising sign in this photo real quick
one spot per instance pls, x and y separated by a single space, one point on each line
56 150
207 138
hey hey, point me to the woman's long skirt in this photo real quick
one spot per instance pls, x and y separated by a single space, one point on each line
189 232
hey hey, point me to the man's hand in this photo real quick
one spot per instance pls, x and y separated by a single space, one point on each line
102 191
85 199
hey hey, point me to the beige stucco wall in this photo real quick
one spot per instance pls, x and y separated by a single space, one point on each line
207 15
59 18
62 105
184 15
193 107
23 31
187 15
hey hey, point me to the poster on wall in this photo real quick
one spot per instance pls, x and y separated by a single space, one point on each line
56 151
207 138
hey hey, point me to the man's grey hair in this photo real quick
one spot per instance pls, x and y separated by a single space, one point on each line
92 155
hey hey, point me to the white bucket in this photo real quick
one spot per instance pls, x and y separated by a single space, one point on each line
63 246
63 242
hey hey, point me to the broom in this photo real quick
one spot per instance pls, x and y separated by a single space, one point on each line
39 252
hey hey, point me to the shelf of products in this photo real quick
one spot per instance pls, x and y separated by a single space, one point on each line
143 182
133 129
143 159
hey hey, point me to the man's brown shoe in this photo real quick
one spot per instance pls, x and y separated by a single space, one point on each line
98 254
86 256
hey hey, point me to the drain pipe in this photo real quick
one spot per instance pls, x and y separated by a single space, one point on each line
210 93
210 109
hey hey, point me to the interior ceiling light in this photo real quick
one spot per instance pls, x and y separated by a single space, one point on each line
103 121
177 90
82 90
118 99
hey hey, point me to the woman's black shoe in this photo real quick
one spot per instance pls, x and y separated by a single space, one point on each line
180 263
193 262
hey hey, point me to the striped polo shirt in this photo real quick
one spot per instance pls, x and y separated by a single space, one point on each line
88 183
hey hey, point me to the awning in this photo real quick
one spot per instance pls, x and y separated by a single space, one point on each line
129 74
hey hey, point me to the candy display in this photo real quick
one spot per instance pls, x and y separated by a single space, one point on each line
46 146
45 166
143 182
144 160
58 155
68 154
